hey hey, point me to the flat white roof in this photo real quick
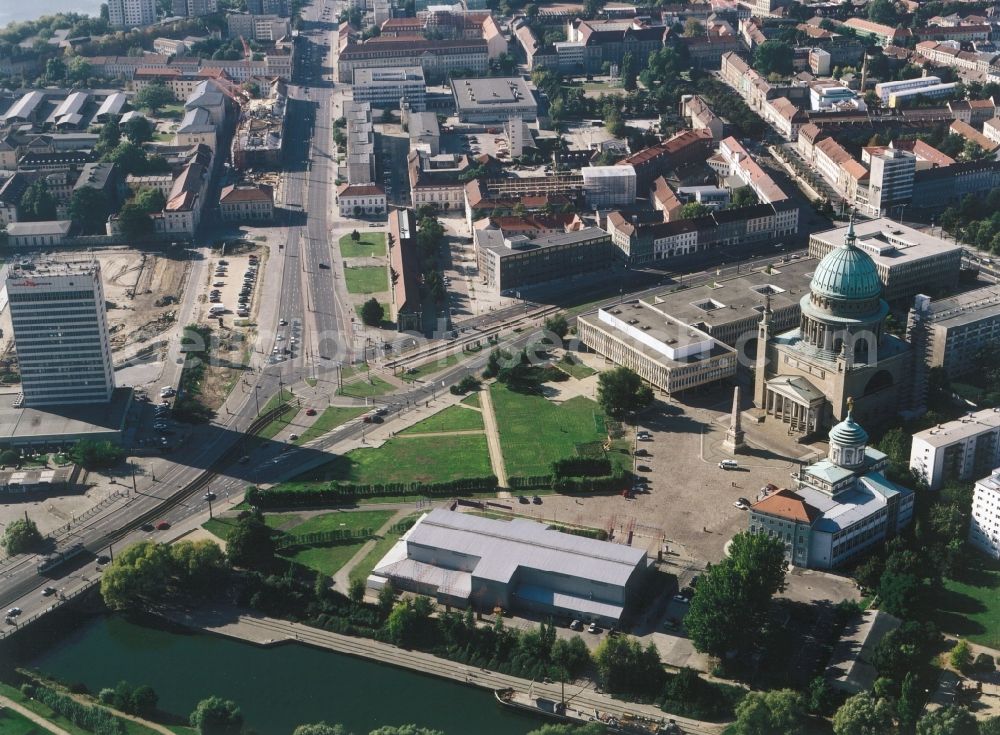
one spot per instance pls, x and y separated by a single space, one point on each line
960 429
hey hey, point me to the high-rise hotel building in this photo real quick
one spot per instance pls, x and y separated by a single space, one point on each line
61 333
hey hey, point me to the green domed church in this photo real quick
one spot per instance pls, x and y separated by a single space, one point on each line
840 349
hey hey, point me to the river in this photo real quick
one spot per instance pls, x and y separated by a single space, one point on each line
276 688
11 10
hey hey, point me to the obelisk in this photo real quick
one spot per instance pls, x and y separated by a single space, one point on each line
734 436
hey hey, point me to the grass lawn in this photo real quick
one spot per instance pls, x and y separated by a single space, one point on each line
364 567
13 723
453 418
332 417
366 388
367 279
350 520
970 606
577 369
430 368
41 710
220 527
325 558
371 244
534 432
418 459
472 400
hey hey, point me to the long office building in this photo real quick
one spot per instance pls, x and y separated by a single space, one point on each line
384 88
468 561
60 326
436 58
908 261
667 353
963 449
950 332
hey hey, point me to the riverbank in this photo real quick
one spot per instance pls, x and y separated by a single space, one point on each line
264 631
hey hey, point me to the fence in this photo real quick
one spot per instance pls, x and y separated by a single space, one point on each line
324 537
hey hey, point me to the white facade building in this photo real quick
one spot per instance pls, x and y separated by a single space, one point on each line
984 527
384 88
131 13
961 449
61 333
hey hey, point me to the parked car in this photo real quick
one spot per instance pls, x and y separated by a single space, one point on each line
48 591
643 468
162 526
740 504
293 437
576 625
523 499
146 527
681 599
536 500
310 412
641 452
592 628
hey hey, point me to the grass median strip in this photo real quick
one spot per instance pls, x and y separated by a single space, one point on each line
331 418
366 388
430 368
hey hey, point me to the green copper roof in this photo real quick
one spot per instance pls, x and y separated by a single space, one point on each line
847 273
848 432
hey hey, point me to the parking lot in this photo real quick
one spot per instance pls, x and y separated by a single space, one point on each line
230 291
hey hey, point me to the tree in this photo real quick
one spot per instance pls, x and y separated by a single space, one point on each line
557 325
621 391
144 701
153 96
629 71
693 209
949 720
863 714
217 716
200 565
404 730
743 197
372 312
779 712
884 12
355 235
129 157
900 593
820 696
409 622
773 57
592 7
133 222
138 130
78 70
249 544
55 69
20 536
150 201
95 455
624 667
89 209
693 28
730 609
140 573
320 728
910 703
356 590
37 203
990 726
591 728
961 655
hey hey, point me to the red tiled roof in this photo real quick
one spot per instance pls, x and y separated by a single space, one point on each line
787 504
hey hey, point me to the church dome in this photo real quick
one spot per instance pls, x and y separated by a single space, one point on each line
848 433
847 273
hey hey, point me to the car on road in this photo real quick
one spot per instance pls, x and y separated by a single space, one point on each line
592 628
293 437
103 559
576 625
536 500
48 591
209 495
324 266
523 499
740 504
162 526
374 224
13 612
146 527
373 419
282 322
167 392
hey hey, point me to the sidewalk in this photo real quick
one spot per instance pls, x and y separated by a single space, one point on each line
266 631
493 436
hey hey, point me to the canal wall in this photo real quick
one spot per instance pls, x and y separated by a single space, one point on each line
265 631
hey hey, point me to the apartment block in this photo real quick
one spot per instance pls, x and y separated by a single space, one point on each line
963 449
984 525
